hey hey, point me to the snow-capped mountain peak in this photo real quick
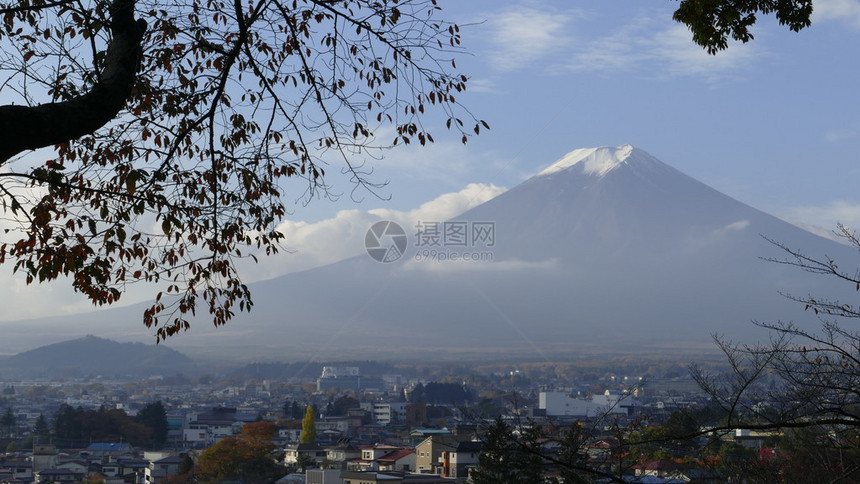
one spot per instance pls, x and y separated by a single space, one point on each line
598 161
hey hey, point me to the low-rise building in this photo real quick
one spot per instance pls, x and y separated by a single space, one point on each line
457 463
295 453
563 404
386 413
16 470
162 468
125 469
62 476
323 476
384 458
428 453
339 454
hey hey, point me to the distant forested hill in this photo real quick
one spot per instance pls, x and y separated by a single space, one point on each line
90 356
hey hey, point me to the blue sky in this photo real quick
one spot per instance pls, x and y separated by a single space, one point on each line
774 123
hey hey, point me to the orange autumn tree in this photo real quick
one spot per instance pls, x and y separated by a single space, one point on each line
247 457
170 131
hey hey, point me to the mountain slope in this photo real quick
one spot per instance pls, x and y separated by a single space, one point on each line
93 355
608 249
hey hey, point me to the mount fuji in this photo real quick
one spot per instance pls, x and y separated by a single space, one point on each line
608 249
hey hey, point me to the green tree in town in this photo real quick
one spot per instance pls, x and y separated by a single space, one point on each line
154 416
67 427
343 404
41 429
309 427
572 458
73 426
493 460
418 393
506 459
303 461
8 421
296 411
187 464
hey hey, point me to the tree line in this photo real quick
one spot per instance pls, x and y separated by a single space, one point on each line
78 426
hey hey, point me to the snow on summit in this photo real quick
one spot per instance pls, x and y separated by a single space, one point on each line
598 161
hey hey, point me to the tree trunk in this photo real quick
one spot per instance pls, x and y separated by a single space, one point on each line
31 127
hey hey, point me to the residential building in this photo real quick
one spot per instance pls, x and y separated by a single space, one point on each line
62 476
401 460
99 450
323 476
125 469
339 454
456 463
332 429
666 469
386 413
74 465
384 457
428 453
160 469
16 470
44 457
309 451
206 428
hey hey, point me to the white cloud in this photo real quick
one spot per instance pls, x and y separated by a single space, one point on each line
309 244
611 53
445 206
819 231
574 40
617 48
822 219
524 34
22 301
482 85
330 240
734 227
663 52
475 262
838 135
698 242
845 10
675 49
